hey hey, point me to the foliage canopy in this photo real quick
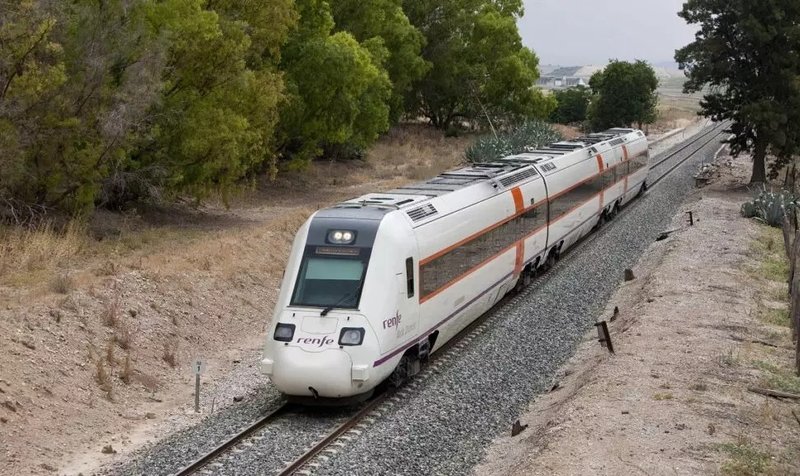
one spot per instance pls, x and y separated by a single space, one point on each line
625 94
104 103
479 66
383 27
749 54
573 105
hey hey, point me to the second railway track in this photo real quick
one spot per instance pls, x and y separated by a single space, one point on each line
672 159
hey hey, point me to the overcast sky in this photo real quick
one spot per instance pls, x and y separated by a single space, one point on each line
579 32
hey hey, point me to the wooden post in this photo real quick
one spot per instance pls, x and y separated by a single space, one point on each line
794 304
789 231
794 258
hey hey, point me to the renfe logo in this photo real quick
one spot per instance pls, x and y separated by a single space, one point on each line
393 321
315 341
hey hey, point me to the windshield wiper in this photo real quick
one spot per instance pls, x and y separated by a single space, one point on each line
343 299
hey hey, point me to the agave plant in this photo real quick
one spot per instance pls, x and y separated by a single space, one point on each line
525 137
770 207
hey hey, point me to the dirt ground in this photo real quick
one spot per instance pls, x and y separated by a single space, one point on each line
704 320
98 327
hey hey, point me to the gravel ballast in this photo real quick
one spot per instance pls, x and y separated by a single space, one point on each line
444 425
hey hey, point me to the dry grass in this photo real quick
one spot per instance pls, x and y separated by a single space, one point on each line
103 379
110 359
416 152
675 109
28 254
123 336
127 371
62 283
568 132
111 312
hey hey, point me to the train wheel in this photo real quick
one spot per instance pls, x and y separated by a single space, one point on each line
520 286
601 221
406 368
551 259
614 211
642 189
524 280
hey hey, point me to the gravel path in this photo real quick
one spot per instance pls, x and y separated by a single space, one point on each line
444 425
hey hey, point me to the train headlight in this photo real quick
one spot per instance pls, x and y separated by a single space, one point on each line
341 237
284 332
351 336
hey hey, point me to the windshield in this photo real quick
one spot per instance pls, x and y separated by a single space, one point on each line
326 281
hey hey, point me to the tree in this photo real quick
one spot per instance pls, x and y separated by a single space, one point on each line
382 25
479 65
338 91
624 94
749 54
219 108
573 105
107 101
31 70
71 98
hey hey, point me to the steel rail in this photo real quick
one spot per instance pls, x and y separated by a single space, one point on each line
716 130
232 441
472 328
715 133
370 406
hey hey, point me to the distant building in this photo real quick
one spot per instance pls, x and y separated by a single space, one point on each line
562 78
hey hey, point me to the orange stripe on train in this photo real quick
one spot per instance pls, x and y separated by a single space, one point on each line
519 204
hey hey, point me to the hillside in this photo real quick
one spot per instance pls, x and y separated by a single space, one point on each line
99 326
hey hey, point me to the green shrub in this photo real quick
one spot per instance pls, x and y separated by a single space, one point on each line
525 137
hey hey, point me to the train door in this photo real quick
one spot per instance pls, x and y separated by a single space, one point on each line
407 308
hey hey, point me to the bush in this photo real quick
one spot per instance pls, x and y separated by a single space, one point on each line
770 207
523 138
573 105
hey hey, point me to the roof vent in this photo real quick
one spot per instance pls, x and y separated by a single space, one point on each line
546 167
617 141
424 211
517 177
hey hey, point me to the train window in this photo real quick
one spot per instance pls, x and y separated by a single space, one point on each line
637 163
410 277
330 281
610 176
449 267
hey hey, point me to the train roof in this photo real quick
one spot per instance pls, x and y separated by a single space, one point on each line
418 199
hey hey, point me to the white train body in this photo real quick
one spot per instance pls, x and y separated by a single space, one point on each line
427 259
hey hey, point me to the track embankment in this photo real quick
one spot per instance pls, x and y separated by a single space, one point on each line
700 324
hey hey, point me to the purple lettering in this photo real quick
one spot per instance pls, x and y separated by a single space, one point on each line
316 341
393 321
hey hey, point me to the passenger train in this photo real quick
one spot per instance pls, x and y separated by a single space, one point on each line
376 284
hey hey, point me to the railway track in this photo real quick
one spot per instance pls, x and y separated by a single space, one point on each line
385 399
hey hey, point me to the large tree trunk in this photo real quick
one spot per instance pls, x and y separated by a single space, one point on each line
759 162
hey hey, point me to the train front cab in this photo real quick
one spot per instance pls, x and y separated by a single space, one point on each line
345 305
